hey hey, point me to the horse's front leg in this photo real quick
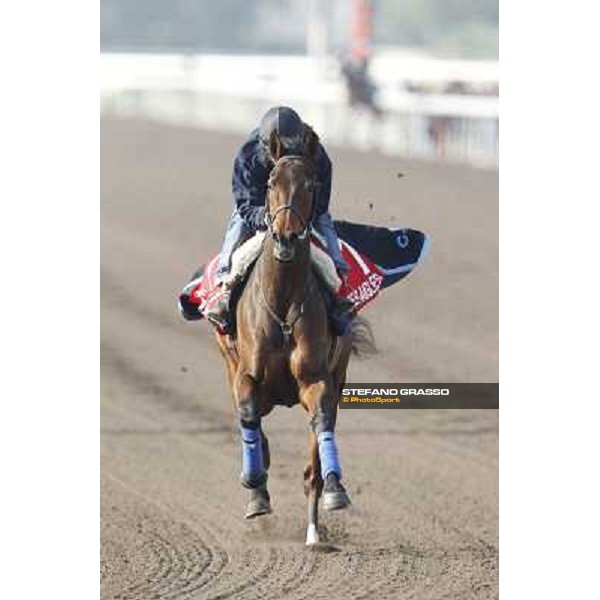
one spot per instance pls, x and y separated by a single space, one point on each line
321 403
254 446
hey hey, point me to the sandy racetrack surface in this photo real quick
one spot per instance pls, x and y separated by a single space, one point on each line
424 483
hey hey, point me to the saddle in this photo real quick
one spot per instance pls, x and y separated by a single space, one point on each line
398 251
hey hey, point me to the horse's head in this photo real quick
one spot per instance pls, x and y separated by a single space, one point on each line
290 197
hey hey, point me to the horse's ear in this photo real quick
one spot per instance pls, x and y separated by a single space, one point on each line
311 141
275 147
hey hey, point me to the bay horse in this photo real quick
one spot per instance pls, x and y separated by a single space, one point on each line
285 351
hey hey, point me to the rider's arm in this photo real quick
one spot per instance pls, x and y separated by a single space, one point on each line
248 192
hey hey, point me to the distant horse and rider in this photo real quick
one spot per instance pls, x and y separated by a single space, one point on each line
285 331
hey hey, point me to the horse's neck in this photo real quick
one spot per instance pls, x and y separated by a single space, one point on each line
284 284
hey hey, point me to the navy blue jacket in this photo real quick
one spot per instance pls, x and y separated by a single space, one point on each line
251 170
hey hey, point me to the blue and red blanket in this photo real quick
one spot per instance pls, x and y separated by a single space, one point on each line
377 256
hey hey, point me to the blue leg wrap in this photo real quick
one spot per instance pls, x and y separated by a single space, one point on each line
252 458
328 453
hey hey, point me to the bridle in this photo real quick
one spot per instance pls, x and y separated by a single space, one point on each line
270 218
288 326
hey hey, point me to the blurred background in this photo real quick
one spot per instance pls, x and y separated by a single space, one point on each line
417 78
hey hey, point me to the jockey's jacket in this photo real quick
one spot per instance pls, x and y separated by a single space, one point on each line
251 169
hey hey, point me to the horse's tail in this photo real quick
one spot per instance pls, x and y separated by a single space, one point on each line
362 338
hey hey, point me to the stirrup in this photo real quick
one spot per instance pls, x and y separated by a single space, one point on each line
220 315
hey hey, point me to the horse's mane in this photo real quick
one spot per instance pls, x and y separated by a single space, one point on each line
284 161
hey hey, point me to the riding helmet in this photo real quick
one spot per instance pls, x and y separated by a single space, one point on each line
288 126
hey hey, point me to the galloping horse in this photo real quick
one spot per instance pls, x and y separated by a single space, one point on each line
285 351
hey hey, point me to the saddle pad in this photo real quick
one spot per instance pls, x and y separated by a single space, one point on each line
362 284
201 292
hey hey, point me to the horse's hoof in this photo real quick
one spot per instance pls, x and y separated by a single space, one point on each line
334 494
259 503
312 535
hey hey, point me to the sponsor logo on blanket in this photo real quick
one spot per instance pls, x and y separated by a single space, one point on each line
365 291
364 279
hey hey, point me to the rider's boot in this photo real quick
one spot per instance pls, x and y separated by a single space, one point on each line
220 313
342 312
342 306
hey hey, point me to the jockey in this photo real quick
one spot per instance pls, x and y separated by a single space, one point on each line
251 170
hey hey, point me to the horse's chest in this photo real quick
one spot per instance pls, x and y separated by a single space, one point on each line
278 383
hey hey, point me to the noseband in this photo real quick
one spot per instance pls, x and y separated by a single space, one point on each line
270 219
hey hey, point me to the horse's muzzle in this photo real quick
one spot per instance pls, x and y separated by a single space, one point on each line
284 248
284 253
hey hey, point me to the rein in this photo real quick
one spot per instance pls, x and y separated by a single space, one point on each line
286 326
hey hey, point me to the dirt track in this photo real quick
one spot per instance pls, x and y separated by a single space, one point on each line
424 523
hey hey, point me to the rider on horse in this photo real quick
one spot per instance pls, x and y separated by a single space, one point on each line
251 170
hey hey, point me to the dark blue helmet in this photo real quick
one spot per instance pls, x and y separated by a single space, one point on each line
289 128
